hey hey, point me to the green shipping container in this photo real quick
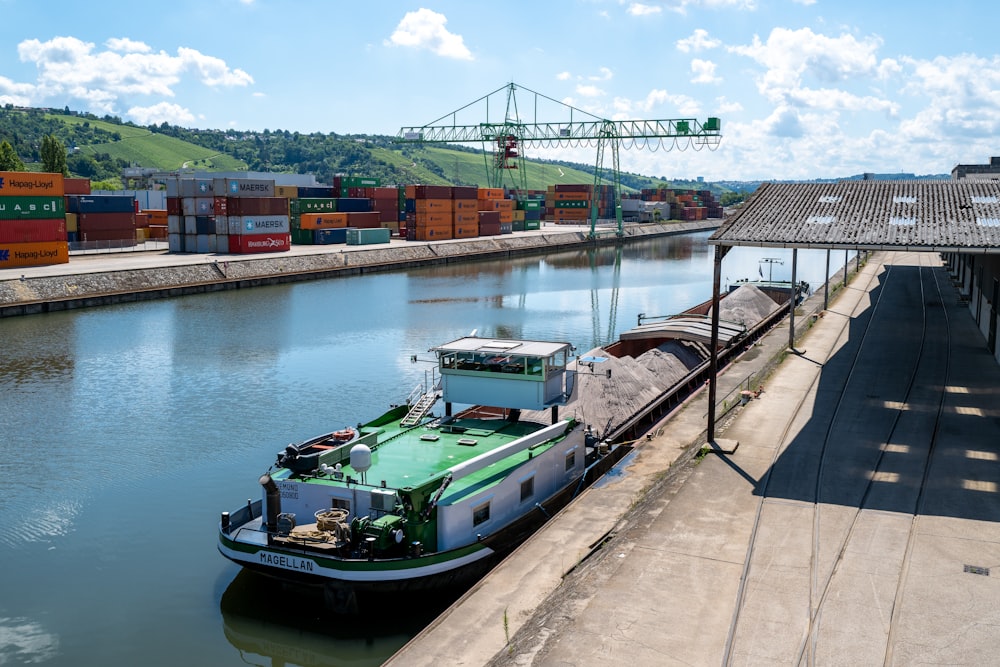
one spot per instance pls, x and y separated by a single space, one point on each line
357 236
316 205
529 205
532 225
360 182
572 203
302 236
517 226
32 208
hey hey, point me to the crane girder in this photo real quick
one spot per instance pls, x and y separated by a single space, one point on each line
554 133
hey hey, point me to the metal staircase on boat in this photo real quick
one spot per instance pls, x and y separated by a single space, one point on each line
420 409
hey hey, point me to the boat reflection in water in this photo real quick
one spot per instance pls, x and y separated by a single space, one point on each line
272 622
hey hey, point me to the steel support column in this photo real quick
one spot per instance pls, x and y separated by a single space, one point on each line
713 367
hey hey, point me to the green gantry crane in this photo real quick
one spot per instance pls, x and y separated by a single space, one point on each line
504 141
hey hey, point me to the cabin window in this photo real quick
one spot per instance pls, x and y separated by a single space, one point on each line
481 514
571 460
527 488
340 504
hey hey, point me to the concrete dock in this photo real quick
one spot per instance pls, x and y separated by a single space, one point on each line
102 279
679 557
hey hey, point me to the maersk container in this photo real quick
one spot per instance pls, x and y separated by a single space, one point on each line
189 187
357 236
247 225
32 208
243 187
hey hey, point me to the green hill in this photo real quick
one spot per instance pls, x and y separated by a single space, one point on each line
99 148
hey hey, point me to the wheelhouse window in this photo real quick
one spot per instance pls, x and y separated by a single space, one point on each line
340 504
527 488
481 514
571 460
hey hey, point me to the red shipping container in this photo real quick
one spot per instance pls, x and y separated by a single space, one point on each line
464 192
122 237
431 192
174 206
92 222
32 231
489 229
220 206
76 186
257 243
489 218
366 220
257 206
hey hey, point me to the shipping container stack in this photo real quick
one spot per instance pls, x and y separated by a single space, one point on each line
464 212
32 219
529 210
227 215
496 212
568 203
103 220
429 213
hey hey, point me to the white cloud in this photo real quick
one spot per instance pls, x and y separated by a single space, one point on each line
425 29
704 71
564 76
70 67
698 41
639 9
589 91
963 98
126 45
681 6
159 113
605 75
724 106
18 94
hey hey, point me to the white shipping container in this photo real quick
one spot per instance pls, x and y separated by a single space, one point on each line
175 242
190 224
190 243
175 224
195 187
222 224
247 225
222 243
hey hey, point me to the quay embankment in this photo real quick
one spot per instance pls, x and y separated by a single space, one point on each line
95 280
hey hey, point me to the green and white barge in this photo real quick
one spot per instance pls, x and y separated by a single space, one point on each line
414 501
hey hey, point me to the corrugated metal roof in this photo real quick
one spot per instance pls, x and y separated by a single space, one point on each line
527 348
696 328
953 216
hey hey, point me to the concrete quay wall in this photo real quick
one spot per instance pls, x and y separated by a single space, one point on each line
86 282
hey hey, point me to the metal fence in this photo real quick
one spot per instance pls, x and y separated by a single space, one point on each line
107 247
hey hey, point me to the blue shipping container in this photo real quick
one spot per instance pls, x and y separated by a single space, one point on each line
328 236
99 203
318 191
353 205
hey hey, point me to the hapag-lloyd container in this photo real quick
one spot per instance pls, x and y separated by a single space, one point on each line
31 184
32 208
252 225
33 254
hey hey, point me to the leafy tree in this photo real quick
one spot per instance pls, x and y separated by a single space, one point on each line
53 155
9 161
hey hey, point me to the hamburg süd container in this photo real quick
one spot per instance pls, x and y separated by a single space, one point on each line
256 243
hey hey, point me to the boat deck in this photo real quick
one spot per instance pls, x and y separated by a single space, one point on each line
419 454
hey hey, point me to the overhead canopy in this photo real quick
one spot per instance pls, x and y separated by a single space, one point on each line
942 216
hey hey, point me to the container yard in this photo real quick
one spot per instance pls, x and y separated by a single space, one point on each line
32 219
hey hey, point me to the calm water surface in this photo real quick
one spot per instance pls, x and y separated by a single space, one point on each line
128 429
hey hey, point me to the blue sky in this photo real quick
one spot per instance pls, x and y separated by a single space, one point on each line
804 88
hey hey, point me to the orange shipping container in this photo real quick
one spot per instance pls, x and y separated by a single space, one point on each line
33 254
571 196
433 219
466 205
490 193
496 204
31 184
432 232
286 191
506 217
466 217
156 216
433 205
322 220
466 230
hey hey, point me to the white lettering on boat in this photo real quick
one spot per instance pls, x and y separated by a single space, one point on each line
286 562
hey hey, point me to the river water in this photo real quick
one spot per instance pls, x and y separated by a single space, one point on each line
127 429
